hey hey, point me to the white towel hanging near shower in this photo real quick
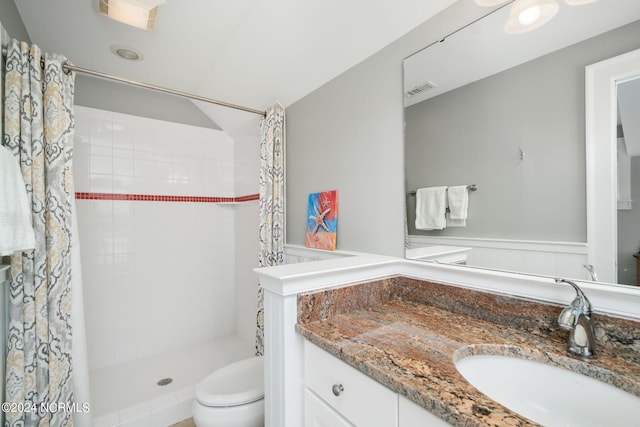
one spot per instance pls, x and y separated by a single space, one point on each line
16 231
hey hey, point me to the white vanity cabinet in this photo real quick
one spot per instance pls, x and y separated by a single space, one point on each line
337 395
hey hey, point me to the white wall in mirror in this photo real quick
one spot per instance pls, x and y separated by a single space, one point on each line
528 215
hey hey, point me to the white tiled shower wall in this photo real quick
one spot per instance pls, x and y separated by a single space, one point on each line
157 275
246 138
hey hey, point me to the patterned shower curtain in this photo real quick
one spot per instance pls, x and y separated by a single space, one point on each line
38 128
271 202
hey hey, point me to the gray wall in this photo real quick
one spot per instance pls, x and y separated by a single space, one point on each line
11 21
348 135
473 135
122 98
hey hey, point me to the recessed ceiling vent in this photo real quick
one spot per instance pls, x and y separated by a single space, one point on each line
420 89
126 52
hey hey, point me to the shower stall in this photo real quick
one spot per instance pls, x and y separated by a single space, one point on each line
168 226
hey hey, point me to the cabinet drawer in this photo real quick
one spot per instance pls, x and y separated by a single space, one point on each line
361 400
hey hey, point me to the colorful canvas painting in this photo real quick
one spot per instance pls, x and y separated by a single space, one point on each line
322 220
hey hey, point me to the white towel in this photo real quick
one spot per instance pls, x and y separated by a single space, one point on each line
16 231
458 198
431 205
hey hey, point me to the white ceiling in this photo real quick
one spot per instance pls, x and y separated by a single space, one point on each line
246 52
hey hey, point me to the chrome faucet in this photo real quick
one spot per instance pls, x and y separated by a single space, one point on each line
576 318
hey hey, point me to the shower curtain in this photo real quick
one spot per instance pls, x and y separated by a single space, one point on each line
38 128
271 205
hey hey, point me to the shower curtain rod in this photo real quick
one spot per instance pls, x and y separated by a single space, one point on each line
70 67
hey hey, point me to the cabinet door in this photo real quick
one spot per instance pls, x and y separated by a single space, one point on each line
318 414
413 415
358 398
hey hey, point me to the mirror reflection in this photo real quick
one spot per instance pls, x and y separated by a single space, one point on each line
628 151
506 113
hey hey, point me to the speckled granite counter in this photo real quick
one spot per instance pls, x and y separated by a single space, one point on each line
407 334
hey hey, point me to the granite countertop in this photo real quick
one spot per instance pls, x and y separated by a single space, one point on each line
407 334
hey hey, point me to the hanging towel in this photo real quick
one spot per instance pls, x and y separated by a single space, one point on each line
431 205
16 231
458 199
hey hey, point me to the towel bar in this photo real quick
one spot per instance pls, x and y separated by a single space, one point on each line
471 187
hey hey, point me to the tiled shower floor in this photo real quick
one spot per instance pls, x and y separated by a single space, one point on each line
127 395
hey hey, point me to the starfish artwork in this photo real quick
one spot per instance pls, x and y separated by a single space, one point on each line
319 219
322 220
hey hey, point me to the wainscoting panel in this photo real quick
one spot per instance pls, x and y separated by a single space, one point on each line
562 259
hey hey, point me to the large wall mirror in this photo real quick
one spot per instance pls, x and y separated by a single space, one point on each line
506 113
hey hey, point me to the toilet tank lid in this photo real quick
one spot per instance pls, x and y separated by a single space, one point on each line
235 384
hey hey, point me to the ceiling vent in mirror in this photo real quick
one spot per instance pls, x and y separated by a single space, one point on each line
420 89
137 13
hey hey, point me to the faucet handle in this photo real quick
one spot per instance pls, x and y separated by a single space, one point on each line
568 318
580 301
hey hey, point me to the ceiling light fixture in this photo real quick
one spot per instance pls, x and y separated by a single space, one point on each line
126 52
137 13
527 15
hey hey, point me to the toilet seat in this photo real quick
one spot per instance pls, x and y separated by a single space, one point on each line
236 384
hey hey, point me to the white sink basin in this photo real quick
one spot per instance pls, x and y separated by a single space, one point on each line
550 395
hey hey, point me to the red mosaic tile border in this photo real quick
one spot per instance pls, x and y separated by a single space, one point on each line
157 198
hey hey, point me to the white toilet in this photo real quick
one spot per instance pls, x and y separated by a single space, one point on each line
232 396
